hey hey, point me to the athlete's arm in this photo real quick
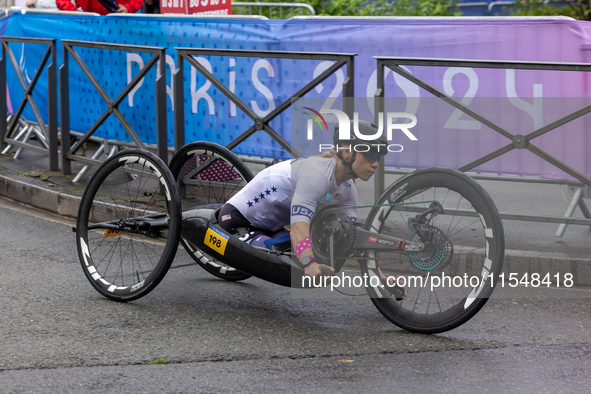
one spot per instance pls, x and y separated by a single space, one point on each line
311 187
299 231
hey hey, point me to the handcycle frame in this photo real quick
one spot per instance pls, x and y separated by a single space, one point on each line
277 267
330 226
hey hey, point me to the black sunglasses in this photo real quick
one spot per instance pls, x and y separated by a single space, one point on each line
372 156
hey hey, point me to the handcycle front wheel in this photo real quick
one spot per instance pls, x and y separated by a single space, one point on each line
452 278
128 225
208 174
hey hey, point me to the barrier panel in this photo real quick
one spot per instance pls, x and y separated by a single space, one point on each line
260 122
46 134
518 141
158 57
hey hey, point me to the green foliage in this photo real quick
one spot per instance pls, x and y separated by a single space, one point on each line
362 8
409 8
538 8
161 361
581 9
578 9
335 7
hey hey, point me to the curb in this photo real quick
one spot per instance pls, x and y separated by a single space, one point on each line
37 194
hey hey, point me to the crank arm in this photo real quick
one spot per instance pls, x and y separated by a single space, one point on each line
134 225
104 226
365 239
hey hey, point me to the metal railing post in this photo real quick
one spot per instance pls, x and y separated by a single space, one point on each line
52 110
161 124
179 103
379 182
65 114
3 100
349 89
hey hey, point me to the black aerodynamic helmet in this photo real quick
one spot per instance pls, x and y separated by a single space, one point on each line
374 149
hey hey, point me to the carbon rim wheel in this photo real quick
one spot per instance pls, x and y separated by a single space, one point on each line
449 281
128 225
207 174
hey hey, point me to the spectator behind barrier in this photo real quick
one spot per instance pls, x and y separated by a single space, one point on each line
102 7
151 7
42 4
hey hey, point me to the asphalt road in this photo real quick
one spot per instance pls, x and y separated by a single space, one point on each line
59 335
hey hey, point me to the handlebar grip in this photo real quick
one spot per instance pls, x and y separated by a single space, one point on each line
325 270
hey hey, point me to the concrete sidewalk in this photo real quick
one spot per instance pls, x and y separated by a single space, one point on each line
531 247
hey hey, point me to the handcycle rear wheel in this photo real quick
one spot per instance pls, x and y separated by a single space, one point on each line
207 174
121 255
450 281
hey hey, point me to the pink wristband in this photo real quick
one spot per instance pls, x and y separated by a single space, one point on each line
304 244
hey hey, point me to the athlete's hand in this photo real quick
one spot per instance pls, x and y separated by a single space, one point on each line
315 271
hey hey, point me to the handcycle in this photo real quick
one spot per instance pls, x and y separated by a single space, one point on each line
433 226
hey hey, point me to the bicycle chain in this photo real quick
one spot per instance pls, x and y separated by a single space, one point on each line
387 205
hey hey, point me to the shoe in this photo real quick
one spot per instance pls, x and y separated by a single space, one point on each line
397 291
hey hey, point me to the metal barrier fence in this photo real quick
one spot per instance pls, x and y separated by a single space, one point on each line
108 147
18 131
518 141
262 123
340 59
159 55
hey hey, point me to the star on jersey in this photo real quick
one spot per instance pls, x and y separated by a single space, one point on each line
260 197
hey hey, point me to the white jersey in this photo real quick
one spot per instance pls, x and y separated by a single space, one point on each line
291 191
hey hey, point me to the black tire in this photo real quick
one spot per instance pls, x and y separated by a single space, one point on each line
127 265
194 166
463 245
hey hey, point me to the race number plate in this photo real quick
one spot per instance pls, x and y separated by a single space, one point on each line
216 240
111 233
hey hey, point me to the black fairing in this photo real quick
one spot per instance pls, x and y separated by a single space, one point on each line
273 268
